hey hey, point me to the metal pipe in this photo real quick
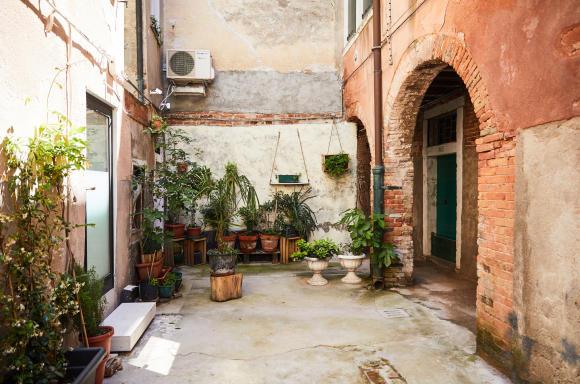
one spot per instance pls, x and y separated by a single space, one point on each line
139 29
378 169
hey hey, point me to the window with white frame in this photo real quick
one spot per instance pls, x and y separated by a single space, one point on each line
355 11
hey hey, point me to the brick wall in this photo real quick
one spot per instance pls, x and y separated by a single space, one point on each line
495 182
242 119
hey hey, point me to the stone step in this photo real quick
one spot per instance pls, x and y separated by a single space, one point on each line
130 321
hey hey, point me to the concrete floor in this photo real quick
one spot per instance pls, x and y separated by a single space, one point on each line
285 331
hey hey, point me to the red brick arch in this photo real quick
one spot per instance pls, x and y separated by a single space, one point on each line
419 65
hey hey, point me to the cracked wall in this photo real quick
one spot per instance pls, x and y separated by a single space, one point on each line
270 56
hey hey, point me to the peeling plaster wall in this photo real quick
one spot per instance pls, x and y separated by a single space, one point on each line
278 56
33 81
547 290
253 151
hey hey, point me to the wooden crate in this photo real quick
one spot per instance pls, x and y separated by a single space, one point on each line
287 247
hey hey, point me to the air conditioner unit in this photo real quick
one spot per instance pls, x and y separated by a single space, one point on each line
189 66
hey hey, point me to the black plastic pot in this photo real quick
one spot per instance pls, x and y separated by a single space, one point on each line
148 292
222 265
82 364
210 236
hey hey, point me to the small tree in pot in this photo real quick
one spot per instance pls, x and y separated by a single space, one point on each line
92 304
317 253
224 196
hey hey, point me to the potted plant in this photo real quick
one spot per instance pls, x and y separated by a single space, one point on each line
289 179
92 303
173 183
272 221
249 239
157 125
224 195
361 233
367 233
336 165
178 277
167 286
33 228
149 289
200 183
299 216
317 253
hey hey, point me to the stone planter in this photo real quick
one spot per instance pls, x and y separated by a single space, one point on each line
317 266
351 263
222 265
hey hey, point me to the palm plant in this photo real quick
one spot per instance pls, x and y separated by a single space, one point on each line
298 213
224 197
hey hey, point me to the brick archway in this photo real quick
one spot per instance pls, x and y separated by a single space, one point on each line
420 64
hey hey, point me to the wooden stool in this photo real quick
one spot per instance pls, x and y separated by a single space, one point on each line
193 245
287 247
224 288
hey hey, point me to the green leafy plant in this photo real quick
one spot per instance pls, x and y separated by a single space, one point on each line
336 165
36 301
298 213
250 217
224 196
169 280
367 233
91 300
157 125
318 249
173 176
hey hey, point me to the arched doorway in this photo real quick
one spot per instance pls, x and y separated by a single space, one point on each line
422 63
363 168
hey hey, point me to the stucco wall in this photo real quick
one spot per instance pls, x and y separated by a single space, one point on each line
35 84
253 150
547 291
270 56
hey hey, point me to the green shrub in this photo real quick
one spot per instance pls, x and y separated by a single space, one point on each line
91 300
318 249
336 165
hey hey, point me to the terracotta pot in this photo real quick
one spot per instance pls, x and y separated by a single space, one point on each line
176 230
102 341
230 240
248 243
317 266
193 231
156 125
146 270
150 257
269 242
182 167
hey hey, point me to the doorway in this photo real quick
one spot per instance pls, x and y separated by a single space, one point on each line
99 194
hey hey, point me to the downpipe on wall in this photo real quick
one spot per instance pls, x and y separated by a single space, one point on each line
378 169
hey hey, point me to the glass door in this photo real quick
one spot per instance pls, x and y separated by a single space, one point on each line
99 196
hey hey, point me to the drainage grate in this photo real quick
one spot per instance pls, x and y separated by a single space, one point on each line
393 313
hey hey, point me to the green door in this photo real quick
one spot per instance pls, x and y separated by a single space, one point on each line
443 241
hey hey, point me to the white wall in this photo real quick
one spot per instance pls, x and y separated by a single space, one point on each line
252 148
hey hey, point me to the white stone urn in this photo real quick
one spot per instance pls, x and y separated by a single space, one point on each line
351 264
317 266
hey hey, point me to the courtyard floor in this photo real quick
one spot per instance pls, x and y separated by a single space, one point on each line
285 331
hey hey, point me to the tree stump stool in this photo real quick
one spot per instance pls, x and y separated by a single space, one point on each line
224 288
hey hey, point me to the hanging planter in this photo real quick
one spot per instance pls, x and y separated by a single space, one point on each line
336 165
157 125
288 179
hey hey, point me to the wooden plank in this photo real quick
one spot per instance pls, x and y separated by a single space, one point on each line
224 288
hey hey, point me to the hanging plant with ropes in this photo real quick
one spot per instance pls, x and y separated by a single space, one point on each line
335 165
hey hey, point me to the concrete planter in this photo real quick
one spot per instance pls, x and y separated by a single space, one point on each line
317 266
351 263
222 265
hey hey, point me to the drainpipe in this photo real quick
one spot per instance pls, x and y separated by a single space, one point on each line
378 169
139 29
